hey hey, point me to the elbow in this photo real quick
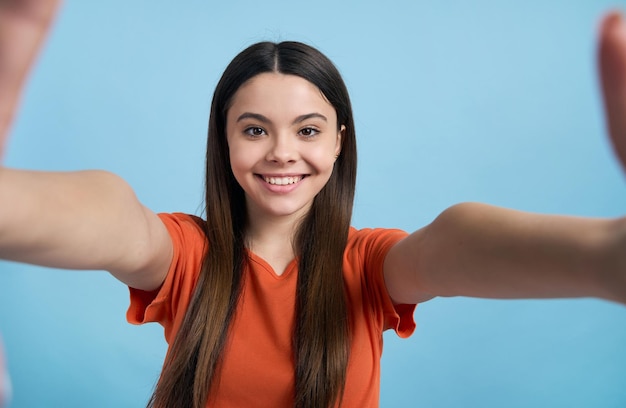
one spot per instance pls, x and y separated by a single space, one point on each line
443 248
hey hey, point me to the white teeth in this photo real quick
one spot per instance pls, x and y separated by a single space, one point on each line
282 181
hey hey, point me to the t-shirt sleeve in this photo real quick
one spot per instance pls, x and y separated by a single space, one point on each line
374 244
168 304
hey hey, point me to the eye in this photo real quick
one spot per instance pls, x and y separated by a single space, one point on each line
254 131
308 132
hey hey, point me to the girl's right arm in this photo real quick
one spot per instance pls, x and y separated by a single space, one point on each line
82 220
78 220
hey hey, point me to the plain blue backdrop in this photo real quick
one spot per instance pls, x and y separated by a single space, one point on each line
454 101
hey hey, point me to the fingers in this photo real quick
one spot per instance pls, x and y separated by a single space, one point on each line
23 27
612 66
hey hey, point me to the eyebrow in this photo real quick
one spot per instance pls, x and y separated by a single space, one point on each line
250 115
264 119
308 116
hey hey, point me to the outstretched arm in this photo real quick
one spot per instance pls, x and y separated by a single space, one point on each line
79 220
82 220
484 251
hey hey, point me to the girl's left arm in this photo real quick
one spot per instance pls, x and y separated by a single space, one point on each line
484 251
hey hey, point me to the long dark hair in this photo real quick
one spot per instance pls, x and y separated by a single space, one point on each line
321 336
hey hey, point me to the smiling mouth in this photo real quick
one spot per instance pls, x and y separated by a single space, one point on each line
282 181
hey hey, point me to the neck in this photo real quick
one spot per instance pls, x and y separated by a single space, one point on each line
271 238
270 230
264 227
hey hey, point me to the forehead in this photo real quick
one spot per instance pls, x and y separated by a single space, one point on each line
280 96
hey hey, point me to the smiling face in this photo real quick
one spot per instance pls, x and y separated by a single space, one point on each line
283 138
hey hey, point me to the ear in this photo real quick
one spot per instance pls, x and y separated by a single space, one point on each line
340 134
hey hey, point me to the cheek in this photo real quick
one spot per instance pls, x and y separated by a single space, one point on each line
239 163
322 159
239 156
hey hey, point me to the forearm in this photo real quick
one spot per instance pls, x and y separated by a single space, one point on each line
74 220
483 251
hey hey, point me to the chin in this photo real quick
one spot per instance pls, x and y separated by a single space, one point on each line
287 211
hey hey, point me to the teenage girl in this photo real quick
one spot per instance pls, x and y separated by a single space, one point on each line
274 300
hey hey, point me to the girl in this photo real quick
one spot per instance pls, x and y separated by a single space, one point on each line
274 300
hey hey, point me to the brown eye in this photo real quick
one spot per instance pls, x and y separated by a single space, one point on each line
308 132
254 131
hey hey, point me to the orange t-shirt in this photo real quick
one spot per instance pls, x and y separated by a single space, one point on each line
258 367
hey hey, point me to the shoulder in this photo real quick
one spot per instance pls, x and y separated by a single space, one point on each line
368 239
184 229
364 261
367 248
182 220
189 241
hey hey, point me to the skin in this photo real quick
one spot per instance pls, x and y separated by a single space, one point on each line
612 67
280 129
98 222
23 27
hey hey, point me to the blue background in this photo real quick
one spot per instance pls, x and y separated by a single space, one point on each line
454 101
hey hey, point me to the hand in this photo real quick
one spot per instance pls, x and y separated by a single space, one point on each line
612 64
23 27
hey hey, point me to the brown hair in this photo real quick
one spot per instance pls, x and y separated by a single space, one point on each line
321 335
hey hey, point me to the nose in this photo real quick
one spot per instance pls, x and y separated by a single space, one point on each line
282 150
